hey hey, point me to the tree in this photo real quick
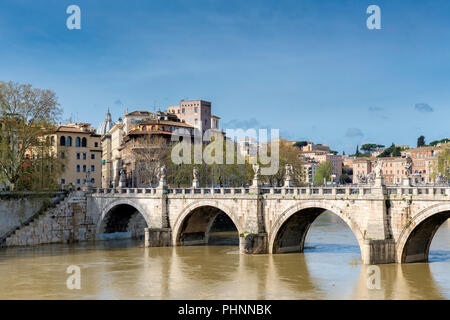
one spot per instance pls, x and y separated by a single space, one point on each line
323 173
357 153
370 147
442 141
421 141
442 165
26 115
235 174
300 144
289 154
345 178
148 155
41 168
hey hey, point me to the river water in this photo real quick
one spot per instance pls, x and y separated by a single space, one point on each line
330 268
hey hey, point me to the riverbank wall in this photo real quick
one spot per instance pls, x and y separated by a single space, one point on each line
65 220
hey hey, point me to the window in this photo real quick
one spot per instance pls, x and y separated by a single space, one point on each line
77 142
63 181
84 156
195 109
84 168
78 156
92 156
96 144
196 121
52 141
78 168
84 142
69 141
63 155
92 180
78 181
62 141
84 181
63 168
182 110
92 168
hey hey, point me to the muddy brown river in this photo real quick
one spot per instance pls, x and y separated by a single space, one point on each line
330 268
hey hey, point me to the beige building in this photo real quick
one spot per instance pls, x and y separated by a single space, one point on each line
393 169
310 146
310 171
423 161
80 146
197 113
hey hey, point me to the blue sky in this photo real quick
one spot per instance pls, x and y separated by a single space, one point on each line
310 68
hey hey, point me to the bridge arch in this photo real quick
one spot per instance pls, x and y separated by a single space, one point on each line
117 216
293 225
413 244
198 222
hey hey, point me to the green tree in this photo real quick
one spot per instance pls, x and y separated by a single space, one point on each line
288 154
357 153
323 173
421 141
26 115
442 165
370 147
345 178
300 144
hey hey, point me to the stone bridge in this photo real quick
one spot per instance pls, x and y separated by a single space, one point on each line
390 223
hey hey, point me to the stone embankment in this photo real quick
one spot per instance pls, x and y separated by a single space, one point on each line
64 222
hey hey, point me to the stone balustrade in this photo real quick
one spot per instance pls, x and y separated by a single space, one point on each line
300 192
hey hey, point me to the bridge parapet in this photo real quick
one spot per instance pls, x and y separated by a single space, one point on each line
323 192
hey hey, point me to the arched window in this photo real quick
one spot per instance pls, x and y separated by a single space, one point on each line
84 142
62 141
69 141
78 142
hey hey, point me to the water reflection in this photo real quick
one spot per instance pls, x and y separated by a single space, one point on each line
330 268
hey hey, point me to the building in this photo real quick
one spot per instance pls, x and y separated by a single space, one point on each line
310 146
336 161
423 160
362 167
196 113
79 144
393 169
144 148
310 171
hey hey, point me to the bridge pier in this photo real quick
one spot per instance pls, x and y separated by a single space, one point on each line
253 243
158 237
378 251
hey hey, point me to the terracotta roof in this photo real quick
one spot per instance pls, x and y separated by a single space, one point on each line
71 129
148 132
139 113
425 148
167 122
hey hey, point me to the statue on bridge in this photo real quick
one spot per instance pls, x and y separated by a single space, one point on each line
408 167
289 172
162 176
256 170
378 169
440 178
195 183
362 178
122 181
371 178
